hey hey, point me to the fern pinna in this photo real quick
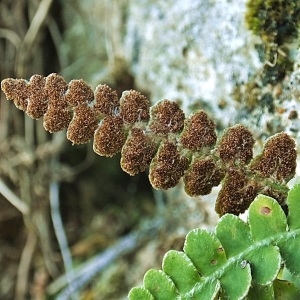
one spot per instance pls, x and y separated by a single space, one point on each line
259 259
161 138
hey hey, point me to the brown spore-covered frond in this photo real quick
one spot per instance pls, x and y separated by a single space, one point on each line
166 117
106 100
202 175
137 152
167 167
110 136
237 193
56 119
17 91
79 93
102 116
278 159
199 132
56 88
236 145
38 99
83 125
134 107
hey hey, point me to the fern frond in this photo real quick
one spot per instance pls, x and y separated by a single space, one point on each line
161 138
240 260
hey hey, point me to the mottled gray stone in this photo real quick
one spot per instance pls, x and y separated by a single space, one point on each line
190 51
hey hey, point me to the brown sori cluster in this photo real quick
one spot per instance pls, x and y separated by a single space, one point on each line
202 175
237 193
278 159
134 107
16 90
236 145
166 117
106 101
160 137
58 115
199 132
167 167
137 152
37 104
110 136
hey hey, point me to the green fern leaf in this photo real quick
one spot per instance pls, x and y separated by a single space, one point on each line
286 275
205 251
293 202
205 290
234 234
258 291
290 249
290 253
139 293
284 290
160 285
259 259
266 218
181 270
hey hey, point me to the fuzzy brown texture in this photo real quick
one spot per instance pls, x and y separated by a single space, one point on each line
106 100
74 106
56 119
17 91
110 136
38 99
56 88
137 152
278 159
79 93
167 167
237 193
166 117
236 145
134 107
199 132
83 125
201 177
